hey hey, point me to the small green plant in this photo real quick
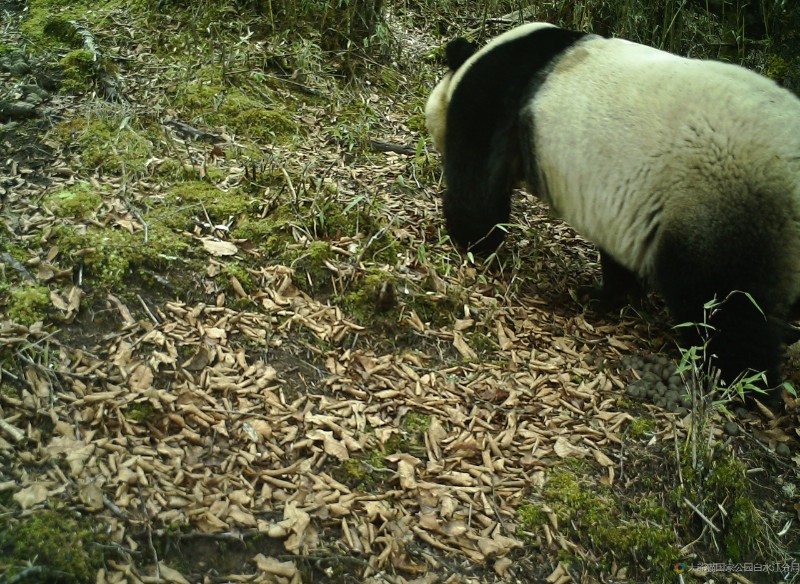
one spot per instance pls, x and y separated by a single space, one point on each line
703 379
713 479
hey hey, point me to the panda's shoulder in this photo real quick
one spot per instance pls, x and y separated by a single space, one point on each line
536 41
519 53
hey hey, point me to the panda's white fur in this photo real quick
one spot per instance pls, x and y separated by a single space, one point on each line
643 129
684 172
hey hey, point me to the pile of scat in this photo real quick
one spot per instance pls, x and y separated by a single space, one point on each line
659 382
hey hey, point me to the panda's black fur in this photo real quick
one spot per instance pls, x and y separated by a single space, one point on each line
480 178
705 211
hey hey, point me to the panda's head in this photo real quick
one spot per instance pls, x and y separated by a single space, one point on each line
457 52
460 55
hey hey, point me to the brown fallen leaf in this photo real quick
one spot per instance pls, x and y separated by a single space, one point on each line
219 248
502 565
601 458
273 566
33 495
564 449
170 574
91 495
462 347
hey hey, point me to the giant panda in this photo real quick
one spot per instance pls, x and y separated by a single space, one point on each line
685 173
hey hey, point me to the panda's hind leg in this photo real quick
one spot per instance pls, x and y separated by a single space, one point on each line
746 334
619 286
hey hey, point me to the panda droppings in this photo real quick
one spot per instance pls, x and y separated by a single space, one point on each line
659 383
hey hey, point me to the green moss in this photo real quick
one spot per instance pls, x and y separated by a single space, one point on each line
8 390
21 254
641 428
217 105
727 486
416 122
411 436
326 219
436 308
173 169
262 124
369 300
311 273
722 483
110 145
333 219
195 199
28 304
362 302
632 532
482 344
77 69
64 547
777 67
352 127
365 473
530 517
140 412
248 116
255 231
49 15
416 422
110 255
80 201
239 272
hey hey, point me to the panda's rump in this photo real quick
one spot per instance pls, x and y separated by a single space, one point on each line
627 139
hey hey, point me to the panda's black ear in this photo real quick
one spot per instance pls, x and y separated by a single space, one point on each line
458 51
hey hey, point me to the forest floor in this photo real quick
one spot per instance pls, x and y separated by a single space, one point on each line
236 344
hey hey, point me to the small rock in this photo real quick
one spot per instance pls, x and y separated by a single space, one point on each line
32 99
731 428
17 110
783 449
19 68
36 90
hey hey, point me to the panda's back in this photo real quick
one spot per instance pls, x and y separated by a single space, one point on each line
625 136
